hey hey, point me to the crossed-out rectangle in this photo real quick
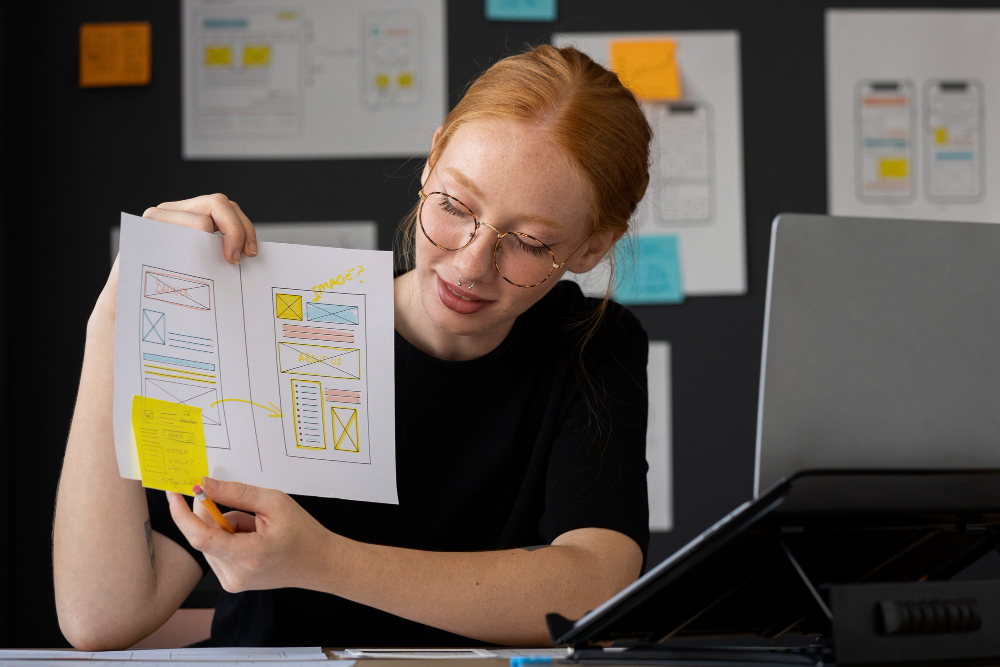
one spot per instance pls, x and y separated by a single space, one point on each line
331 312
178 290
333 362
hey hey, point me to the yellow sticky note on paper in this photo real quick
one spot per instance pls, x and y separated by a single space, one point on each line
648 69
115 54
170 438
894 167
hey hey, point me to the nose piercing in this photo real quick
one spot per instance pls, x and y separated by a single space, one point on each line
460 280
470 286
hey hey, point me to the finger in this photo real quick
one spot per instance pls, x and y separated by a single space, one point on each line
217 206
241 521
202 223
250 244
240 496
199 535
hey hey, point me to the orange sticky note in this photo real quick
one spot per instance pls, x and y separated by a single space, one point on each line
115 54
648 69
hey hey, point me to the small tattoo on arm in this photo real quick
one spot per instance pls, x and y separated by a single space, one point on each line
536 547
149 543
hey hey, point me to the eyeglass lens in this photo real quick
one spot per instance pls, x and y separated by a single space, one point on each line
449 224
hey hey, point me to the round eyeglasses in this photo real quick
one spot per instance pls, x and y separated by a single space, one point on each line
520 259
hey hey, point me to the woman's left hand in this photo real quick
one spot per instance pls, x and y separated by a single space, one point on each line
280 547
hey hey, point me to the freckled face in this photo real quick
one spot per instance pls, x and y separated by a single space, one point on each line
512 176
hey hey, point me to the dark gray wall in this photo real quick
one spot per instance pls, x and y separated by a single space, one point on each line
71 159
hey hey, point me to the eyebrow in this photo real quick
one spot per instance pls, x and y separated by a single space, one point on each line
466 182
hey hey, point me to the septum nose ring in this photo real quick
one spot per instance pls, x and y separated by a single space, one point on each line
460 282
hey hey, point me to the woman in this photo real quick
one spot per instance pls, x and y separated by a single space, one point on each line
521 412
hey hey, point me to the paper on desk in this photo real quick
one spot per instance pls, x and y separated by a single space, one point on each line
191 656
288 355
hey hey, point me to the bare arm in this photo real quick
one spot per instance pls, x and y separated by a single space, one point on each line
495 596
117 580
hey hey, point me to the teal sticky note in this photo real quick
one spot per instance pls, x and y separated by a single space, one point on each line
521 10
656 275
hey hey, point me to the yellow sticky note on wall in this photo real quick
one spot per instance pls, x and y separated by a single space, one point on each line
648 69
170 438
115 54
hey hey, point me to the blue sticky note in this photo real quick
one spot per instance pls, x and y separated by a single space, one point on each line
521 10
656 275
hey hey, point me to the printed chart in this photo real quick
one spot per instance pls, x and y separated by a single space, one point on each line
320 352
179 349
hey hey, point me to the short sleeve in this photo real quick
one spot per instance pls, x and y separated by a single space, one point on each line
161 521
596 476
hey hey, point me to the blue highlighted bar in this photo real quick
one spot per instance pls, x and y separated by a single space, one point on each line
225 23
886 143
179 362
953 155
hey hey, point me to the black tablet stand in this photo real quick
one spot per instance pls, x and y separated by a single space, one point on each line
852 567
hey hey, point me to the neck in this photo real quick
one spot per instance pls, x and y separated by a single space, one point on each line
416 327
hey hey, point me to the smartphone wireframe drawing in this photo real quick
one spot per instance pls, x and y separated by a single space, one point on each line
953 141
885 137
684 132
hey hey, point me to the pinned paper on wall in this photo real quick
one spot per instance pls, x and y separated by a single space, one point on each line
648 68
170 443
115 54
521 10
695 190
656 275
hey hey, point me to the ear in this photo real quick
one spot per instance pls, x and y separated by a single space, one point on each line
592 251
427 164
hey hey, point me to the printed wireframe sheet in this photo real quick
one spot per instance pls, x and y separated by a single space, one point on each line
289 356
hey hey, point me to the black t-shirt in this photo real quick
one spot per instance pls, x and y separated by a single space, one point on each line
499 452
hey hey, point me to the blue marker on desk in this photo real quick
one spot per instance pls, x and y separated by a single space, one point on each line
526 660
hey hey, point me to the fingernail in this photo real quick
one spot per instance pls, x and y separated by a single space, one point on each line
236 256
252 248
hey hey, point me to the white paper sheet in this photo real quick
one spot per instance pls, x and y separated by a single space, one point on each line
295 325
912 98
191 656
659 438
312 78
696 180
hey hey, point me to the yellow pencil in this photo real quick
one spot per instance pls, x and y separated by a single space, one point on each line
212 508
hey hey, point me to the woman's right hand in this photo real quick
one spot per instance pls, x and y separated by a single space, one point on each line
212 213
207 213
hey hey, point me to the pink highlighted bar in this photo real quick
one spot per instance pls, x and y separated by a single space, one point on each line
342 396
317 333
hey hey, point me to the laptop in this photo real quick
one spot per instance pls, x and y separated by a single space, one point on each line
881 347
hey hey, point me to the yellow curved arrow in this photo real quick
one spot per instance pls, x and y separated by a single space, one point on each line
274 410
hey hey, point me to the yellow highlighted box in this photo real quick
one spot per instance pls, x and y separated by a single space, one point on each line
894 168
257 55
382 81
940 135
404 80
218 55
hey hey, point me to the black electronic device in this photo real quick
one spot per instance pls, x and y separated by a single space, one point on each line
851 567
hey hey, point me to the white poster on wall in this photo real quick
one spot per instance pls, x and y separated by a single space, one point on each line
312 79
696 181
913 113
659 438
